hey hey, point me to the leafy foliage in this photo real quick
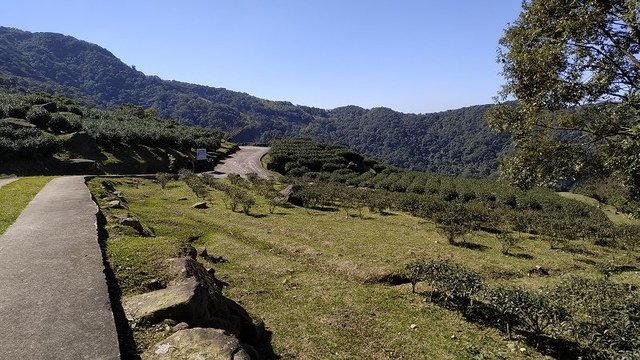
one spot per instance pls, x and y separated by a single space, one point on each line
126 125
26 143
602 316
607 315
574 68
450 283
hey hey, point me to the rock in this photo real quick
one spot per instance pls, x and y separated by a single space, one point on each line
179 327
108 185
538 271
191 252
201 344
169 322
131 222
413 326
203 252
200 205
183 199
289 195
193 297
115 204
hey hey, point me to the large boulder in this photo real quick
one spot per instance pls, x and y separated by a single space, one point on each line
128 220
193 297
288 195
200 344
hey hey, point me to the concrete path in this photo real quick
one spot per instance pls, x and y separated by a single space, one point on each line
7 181
242 162
54 302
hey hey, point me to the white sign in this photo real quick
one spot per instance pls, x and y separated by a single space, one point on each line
201 154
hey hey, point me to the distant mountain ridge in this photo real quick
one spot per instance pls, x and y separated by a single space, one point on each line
453 142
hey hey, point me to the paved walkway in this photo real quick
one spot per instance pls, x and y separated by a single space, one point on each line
243 162
7 181
54 302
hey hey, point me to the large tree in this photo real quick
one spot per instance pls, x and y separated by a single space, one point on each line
573 69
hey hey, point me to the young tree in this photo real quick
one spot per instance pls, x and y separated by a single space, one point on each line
455 221
163 179
574 69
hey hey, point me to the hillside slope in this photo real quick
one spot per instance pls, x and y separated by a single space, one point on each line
453 142
43 134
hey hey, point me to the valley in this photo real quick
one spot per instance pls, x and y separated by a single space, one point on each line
152 219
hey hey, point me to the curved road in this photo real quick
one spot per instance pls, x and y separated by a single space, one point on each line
242 162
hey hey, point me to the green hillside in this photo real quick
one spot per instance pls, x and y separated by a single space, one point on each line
44 134
453 142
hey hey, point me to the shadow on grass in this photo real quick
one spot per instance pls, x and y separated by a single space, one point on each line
325 209
385 213
520 256
471 246
485 315
126 342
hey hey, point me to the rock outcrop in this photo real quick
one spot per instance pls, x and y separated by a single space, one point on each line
200 343
195 298
288 195
128 220
200 205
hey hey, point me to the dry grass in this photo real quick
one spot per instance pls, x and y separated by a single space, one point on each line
306 273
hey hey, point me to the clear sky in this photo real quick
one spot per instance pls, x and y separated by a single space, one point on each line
410 55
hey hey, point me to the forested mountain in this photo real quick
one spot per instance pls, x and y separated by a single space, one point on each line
453 142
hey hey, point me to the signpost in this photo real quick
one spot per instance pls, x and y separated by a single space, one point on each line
201 156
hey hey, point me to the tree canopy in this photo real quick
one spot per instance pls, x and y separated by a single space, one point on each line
574 69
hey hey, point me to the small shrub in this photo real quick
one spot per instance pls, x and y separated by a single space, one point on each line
450 283
16 111
246 201
605 314
532 312
38 116
507 242
234 179
195 183
62 123
455 221
274 202
163 179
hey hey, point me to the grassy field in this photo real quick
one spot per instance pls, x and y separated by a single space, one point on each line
312 276
14 198
612 213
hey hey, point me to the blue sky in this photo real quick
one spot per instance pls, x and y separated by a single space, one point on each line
412 55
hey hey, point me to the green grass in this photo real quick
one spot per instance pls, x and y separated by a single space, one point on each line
310 275
610 211
15 196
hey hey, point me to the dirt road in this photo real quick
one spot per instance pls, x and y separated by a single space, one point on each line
243 162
